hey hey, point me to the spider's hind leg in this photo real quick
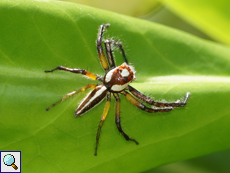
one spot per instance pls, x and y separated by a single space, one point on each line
117 119
72 93
138 104
103 117
148 100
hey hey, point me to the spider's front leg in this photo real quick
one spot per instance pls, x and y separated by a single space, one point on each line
148 100
118 121
81 71
108 45
100 48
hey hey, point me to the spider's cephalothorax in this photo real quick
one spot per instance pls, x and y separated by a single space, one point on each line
115 81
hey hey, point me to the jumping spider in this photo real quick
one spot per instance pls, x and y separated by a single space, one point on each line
115 81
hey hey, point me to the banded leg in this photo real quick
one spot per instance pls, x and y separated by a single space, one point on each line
118 121
158 104
109 54
81 71
73 93
106 110
108 44
100 48
138 104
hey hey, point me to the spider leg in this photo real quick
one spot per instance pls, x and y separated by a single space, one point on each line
148 100
138 104
109 54
117 119
106 110
72 93
81 71
100 48
108 43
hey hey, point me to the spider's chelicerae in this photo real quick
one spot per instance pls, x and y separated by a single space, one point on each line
115 81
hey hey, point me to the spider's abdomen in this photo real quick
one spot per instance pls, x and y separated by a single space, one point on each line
119 78
91 100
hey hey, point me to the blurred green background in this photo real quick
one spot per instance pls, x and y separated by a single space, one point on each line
207 19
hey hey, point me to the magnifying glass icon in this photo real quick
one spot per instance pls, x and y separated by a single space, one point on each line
9 160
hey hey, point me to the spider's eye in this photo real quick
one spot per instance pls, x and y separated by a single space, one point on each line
119 70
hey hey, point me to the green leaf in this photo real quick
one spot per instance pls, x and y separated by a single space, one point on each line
135 8
40 35
210 16
215 162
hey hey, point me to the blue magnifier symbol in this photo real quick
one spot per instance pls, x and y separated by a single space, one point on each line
9 160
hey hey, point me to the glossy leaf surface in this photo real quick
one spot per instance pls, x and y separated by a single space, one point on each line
40 35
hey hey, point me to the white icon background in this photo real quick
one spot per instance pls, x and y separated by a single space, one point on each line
5 168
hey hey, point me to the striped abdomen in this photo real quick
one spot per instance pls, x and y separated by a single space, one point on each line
91 100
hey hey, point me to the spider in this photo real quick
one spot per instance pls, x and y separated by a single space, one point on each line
115 81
